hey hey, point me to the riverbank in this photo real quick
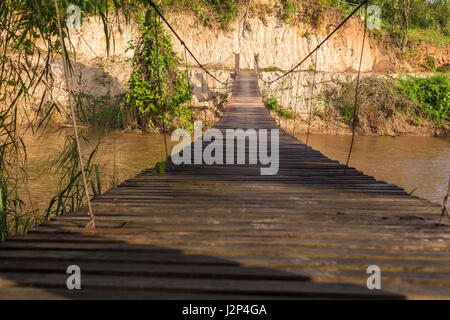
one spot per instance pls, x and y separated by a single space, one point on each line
387 105
100 77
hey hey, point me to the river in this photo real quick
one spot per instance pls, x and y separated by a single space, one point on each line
120 156
418 164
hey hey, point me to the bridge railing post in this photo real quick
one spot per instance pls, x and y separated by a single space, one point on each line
237 57
257 63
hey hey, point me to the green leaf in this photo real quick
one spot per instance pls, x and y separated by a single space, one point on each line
148 16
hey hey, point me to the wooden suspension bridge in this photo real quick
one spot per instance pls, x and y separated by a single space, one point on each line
226 232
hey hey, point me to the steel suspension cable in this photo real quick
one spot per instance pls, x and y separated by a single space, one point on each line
325 40
91 223
155 7
355 104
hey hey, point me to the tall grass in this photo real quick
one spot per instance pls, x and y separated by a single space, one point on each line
71 193
273 104
28 46
429 35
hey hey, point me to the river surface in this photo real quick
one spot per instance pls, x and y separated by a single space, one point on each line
418 164
120 156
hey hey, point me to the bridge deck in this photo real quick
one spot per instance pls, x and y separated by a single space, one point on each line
203 231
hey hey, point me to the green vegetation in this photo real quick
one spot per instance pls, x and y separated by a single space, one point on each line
159 92
71 193
338 4
429 63
272 104
25 68
431 96
382 101
347 112
18 76
271 69
25 72
409 20
207 11
421 19
445 69
97 111
289 10
429 35
225 9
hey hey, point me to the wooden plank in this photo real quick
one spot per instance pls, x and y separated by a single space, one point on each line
226 272
335 260
217 286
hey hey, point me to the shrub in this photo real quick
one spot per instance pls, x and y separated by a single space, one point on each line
289 9
383 103
226 10
273 105
431 95
271 69
159 92
222 11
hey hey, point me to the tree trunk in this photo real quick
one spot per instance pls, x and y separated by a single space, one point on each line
405 33
407 5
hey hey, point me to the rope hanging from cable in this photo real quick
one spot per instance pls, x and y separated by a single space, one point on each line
355 104
91 223
310 101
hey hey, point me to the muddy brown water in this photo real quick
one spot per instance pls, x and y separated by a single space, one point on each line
120 156
419 164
